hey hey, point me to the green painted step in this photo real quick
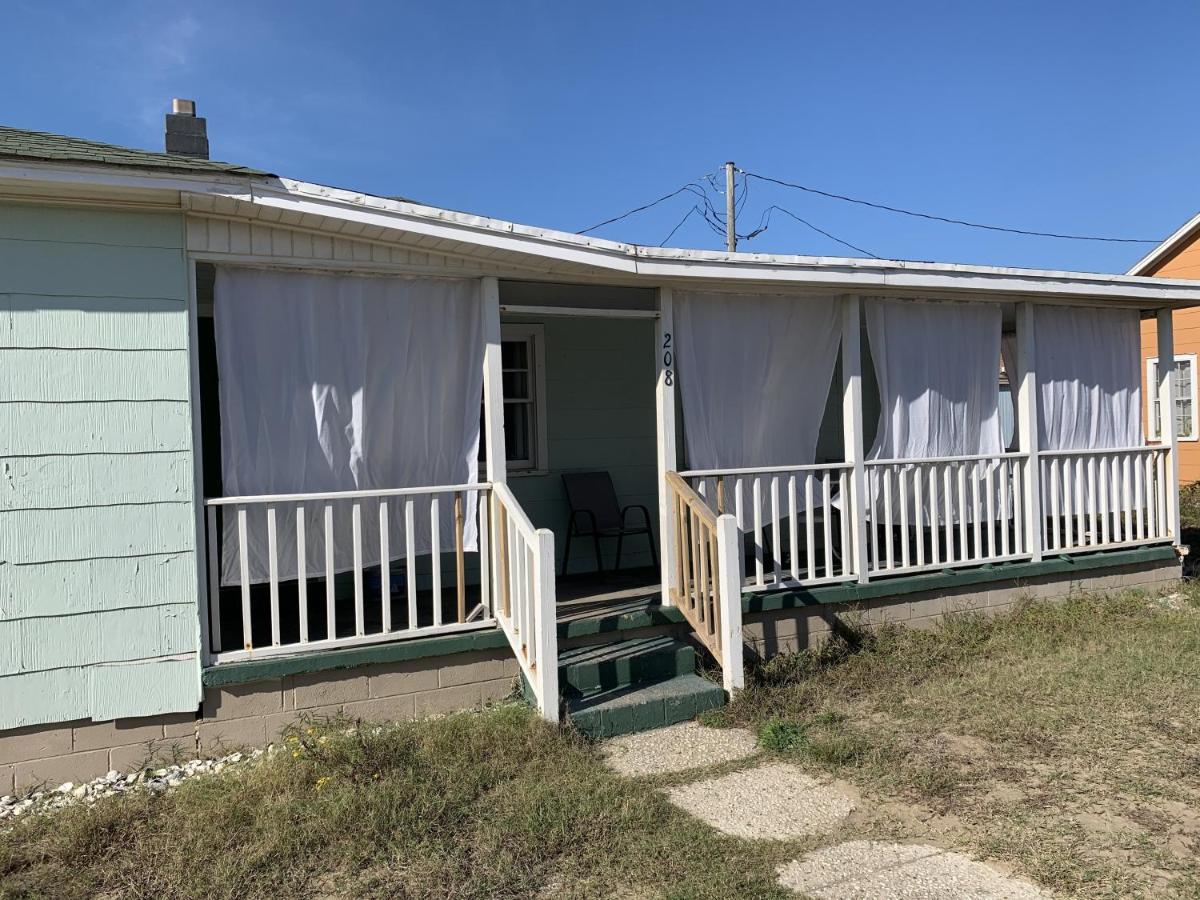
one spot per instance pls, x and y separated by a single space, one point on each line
644 707
587 670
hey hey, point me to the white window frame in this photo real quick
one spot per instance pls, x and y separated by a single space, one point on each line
1152 396
535 338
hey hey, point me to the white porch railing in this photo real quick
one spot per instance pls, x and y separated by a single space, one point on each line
795 515
1097 499
283 615
706 583
525 597
944 512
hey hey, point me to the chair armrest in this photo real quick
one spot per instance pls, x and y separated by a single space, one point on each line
583 512
645 513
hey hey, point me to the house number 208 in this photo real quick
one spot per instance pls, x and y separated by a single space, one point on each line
668 360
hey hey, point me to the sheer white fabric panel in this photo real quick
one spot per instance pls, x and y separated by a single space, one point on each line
938 369
1088 365
343 382
754 374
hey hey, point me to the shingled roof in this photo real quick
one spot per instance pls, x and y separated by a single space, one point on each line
39 145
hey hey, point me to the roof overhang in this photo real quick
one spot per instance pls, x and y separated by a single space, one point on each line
522 250
1152 260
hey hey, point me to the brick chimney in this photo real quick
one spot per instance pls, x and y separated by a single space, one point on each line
187 134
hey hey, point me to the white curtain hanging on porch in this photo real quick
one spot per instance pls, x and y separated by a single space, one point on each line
937 365
1088 365
339 383
754 374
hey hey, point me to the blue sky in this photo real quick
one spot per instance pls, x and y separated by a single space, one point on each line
1065 116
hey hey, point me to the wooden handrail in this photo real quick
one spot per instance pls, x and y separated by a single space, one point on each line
694 501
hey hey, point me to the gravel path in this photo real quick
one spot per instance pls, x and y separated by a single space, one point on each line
772 801
776 801
880 870
677 748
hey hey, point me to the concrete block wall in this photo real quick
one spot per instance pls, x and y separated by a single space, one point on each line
250 715
786 631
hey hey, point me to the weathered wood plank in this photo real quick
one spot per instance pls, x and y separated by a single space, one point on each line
153 687
91 270
91 224
49 535
68 376
28 429
88 322
90 585
34 698
58 642
44 482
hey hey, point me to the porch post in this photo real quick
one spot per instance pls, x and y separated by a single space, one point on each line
664 392
1167 432
729 596
493 384
852 430
1027 429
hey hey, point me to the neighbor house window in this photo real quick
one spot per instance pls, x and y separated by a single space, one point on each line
1185 397
522 362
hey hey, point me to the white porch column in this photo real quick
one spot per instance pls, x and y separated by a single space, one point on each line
664 393
1027 429
1168 434
493 383
852 430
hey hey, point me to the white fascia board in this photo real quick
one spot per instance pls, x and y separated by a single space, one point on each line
657 265
63 175
1167 247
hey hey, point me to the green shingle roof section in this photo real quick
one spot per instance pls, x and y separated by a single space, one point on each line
39 145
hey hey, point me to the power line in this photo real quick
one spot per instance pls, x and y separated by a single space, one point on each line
950 221
764 223
690 186
690 213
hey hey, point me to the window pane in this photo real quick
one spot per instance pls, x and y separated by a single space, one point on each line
514 354
517 424
516 385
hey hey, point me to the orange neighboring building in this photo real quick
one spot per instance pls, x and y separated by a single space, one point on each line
1176 257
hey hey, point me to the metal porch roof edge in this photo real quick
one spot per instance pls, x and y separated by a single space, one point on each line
651 264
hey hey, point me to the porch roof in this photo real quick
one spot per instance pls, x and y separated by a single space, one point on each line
70 166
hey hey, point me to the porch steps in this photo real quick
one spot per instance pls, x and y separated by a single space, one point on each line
633 685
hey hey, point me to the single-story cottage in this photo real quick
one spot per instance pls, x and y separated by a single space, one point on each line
270 448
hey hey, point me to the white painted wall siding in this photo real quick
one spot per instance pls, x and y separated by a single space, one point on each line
98 581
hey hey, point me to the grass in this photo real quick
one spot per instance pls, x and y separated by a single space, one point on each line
1061 739
492 804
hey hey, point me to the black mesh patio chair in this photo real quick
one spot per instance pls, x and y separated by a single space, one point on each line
595 513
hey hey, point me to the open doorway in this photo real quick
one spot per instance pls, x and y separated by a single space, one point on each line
579 371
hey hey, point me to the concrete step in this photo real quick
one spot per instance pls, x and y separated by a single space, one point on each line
591 669
642 707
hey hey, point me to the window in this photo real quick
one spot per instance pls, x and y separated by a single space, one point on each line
523 367
1185 397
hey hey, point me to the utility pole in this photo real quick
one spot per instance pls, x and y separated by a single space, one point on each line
730 231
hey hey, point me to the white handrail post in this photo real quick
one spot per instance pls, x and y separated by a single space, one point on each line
852 431
1027 428
664 391
729 596
1167 430
546 629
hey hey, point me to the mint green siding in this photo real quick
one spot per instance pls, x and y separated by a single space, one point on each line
599 416
98 582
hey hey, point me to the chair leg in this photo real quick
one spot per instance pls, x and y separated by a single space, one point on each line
599 558
620 544
653 552
567 550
